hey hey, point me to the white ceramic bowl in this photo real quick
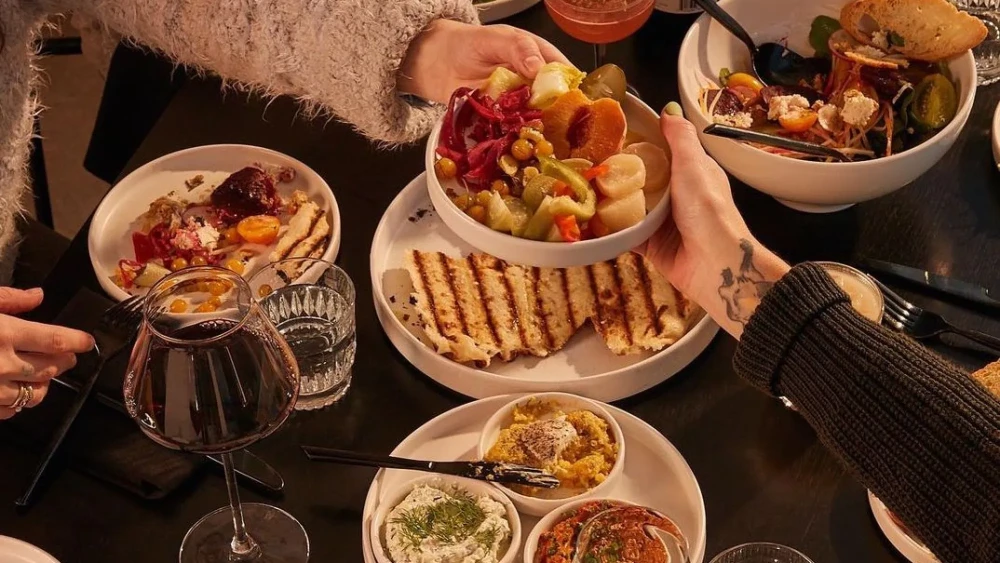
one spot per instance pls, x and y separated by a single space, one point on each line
396 496
803 185
537 506
642 120
556 516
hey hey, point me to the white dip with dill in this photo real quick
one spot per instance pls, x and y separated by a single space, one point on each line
447 524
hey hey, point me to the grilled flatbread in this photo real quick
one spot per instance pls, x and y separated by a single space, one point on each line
989 377
925 30
475 308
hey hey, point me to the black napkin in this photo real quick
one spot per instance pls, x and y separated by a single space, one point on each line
102 442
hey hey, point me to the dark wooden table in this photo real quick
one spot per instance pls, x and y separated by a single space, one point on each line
763 473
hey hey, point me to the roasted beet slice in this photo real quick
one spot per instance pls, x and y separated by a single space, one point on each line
246 192
729 103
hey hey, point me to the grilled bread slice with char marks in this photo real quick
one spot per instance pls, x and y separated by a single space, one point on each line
438 308
480 306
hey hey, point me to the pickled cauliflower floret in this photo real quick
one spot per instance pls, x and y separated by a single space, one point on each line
880 39
858 108
552 81
785 105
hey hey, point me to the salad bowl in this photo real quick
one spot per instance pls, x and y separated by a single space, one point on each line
805 185
642 121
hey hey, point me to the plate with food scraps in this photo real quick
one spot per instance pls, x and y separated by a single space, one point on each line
497 328
655 474
898 534
236 206
491 11
565 170
13 550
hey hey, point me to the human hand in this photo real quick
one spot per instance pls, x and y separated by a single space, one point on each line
31 354
450 54
705 248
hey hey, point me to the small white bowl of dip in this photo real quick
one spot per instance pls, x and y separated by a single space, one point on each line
555 498
497 506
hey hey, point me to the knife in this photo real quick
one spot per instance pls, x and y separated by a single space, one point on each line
250 468
949 286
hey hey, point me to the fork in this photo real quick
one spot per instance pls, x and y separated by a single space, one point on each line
116 327
906 317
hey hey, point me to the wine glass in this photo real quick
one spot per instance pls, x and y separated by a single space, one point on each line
210 374
600 21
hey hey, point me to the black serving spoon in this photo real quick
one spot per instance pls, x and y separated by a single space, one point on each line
774 141
774 64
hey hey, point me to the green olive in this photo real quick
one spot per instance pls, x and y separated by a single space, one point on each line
935 102
607 81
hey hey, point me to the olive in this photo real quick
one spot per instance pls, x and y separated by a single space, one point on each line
607 81
935 102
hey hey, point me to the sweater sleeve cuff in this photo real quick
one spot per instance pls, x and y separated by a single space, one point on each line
404 121
794 301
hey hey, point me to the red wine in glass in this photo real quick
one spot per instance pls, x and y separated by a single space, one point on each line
212 383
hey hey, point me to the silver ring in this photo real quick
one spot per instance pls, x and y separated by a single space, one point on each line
25 393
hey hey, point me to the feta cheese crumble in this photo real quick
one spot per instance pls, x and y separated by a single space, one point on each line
829 117
446 524
869 52
783 105
858 108
742 119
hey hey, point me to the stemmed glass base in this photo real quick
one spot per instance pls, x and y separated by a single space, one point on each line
277 534
600 53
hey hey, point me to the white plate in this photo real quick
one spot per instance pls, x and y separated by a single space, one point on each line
677 6
996 135
500 9
110 231
907 545
656 475
584 367
642 120
13 550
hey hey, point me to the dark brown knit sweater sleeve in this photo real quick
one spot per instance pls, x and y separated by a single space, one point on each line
915 430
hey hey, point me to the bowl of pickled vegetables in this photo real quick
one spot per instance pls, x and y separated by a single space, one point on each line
565 170
893 101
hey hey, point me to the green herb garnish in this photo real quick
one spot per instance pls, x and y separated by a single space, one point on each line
724 75
448 522
895 39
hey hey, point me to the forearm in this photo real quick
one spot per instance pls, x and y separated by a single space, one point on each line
918 432
338 56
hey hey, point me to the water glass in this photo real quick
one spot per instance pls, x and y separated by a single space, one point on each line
761 553
312 303
987 54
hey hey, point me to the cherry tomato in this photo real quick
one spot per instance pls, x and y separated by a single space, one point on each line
745 80
198 261
569 229
178 264
798 122
544 148
207 307
231 237
217 287
259 229
522 149
264 290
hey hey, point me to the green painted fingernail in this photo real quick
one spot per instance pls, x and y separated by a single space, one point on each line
673 108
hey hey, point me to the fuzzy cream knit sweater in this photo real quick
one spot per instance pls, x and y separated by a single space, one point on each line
338 57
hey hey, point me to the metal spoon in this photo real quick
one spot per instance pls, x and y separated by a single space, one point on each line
772 63
738 134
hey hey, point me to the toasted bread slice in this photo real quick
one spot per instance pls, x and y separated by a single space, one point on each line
611 322
989 377
522 282
438 308
300 226
465 283
499 304
927 30
582 298
553 291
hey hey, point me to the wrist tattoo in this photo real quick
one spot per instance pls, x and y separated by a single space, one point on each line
742 292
